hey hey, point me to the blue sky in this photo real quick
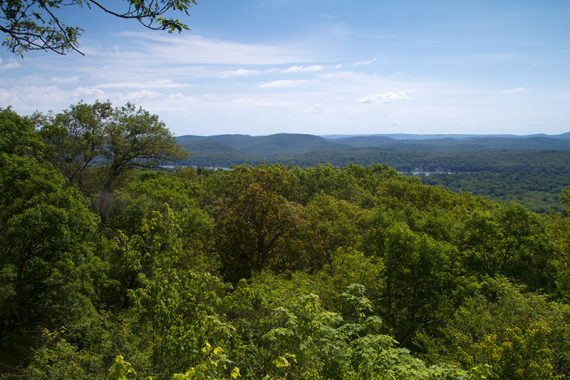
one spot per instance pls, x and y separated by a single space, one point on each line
322 67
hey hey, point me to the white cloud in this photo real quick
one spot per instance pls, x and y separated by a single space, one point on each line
178 95
318 108
387 97
255 102
9 65
238 73
137 96
84 93
44 98
349 76
364 63
263 91
62 80
303 69
516 90
188 49
144 84
296 69
283 83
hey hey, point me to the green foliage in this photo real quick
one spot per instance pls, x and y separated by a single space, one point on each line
121 369
354 273
46 240
215 365
38 25
299 338
526 170
565 197
17 135
62 360
179 310
420 278
346 269
256 223
510 241
520 335
165 239
558 228
110 139
76 137
331 226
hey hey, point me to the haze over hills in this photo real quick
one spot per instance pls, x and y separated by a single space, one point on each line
225 150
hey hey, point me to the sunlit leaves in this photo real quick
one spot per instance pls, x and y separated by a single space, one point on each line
38 24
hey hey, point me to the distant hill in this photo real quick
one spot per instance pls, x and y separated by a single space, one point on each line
363 141
531 169
304 149
274 145
413 136
445 142
224 150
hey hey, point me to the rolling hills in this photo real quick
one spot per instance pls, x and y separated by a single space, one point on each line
530 169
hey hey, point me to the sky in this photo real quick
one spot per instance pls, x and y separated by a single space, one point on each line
318 66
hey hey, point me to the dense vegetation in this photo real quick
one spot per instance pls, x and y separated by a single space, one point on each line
537 190
111 267
532 170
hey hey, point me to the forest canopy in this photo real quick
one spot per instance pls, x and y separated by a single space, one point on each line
113 266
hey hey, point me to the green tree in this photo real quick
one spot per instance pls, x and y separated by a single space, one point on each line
163 240
297 337
257 226
18 136
76 137
39 25
47 262
510 241
179 312
111 139
558 227
519 334
137 139
331 226
421 276
565 198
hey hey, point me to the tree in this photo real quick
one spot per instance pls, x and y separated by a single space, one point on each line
112 139
521 335
76 137
332 226
256 224
420 277
565 198
46 247
37 24
510 241
137 139
17 135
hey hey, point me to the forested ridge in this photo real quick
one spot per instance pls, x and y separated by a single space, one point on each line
111 267
532 170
